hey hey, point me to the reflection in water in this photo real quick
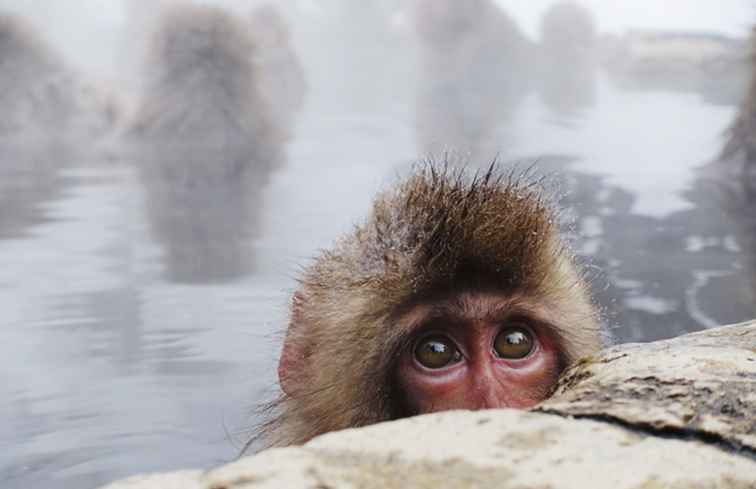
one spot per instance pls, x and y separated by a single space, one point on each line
203 215
118 309
29 178
99 354
567 68
475 67
721 233
655 277
208 143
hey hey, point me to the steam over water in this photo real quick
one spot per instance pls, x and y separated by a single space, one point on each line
159 194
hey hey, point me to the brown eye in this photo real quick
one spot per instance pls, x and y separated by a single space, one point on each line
436 351
513 343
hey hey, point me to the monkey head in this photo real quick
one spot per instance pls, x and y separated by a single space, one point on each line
456 293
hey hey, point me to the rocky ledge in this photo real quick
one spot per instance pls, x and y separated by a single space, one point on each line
679 413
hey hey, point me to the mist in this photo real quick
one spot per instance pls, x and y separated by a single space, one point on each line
166 169
71 26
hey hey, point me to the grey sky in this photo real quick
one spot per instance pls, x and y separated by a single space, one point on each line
90 32
733 17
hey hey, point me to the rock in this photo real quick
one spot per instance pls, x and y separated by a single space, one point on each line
701 385
679 413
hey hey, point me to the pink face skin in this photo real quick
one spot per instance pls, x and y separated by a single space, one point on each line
478 378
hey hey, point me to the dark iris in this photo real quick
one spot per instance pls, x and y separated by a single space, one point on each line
513 343
436 351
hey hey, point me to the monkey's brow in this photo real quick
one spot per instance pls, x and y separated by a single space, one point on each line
464 310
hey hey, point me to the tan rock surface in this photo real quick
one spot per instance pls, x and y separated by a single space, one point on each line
672 414
701 384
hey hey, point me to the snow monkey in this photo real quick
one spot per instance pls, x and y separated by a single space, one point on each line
457 292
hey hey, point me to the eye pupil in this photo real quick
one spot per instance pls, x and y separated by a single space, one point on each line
513 343
436 352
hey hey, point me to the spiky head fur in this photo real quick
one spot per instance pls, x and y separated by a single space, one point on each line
439 230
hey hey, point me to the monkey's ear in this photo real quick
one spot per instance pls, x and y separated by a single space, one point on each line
291 365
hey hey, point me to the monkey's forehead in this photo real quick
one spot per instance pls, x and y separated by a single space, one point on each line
443 226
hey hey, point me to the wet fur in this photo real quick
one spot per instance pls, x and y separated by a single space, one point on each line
201 81
439 230
36 90
741 136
